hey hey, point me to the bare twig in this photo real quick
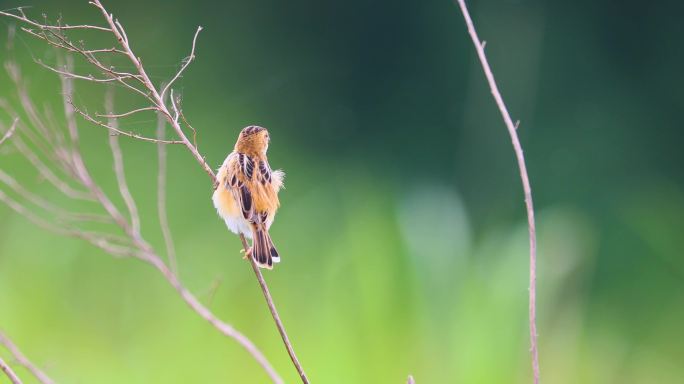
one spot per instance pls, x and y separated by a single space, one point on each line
9 372
512 130
25 362
116 130
37 140
95 239
194 131
26 20
81 77
67 93
161 196
49 175
60 214
185 65
120 115
175 108
63 43
44 139
274 313
123 186
10 131
119 168
104 50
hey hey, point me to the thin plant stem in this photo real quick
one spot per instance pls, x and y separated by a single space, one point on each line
7 370
161 196
22 360
527 189
274 313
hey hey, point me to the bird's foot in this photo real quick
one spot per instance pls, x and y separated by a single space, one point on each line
248 254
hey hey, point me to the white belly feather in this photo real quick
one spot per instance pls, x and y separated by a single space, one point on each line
228 210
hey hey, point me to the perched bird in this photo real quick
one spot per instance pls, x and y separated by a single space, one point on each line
246 196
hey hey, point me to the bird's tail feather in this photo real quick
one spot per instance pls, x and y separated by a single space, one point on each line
263 250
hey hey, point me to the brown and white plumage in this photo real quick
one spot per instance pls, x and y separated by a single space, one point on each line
246 196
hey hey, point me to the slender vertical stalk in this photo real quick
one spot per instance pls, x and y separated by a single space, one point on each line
527 189
161 195
274 313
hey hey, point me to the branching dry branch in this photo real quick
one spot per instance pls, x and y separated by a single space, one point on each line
117 131
139 83
512 130
136 247
41 376
185 65
131 244
155 95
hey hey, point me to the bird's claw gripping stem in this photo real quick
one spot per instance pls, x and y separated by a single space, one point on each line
248 254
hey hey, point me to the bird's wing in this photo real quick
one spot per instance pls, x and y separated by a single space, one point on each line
254 186
240 171
264 173
268 177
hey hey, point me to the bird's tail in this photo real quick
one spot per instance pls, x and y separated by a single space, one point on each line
263 250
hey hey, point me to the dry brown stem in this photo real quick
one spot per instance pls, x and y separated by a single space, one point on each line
274 313
527 189
139 83
119 169
41 376
7 370
161 196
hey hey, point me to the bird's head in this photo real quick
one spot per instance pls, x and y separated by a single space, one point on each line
253 140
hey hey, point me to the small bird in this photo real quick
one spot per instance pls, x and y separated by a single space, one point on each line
246 196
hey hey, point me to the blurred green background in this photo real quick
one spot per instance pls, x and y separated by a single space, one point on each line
402 228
